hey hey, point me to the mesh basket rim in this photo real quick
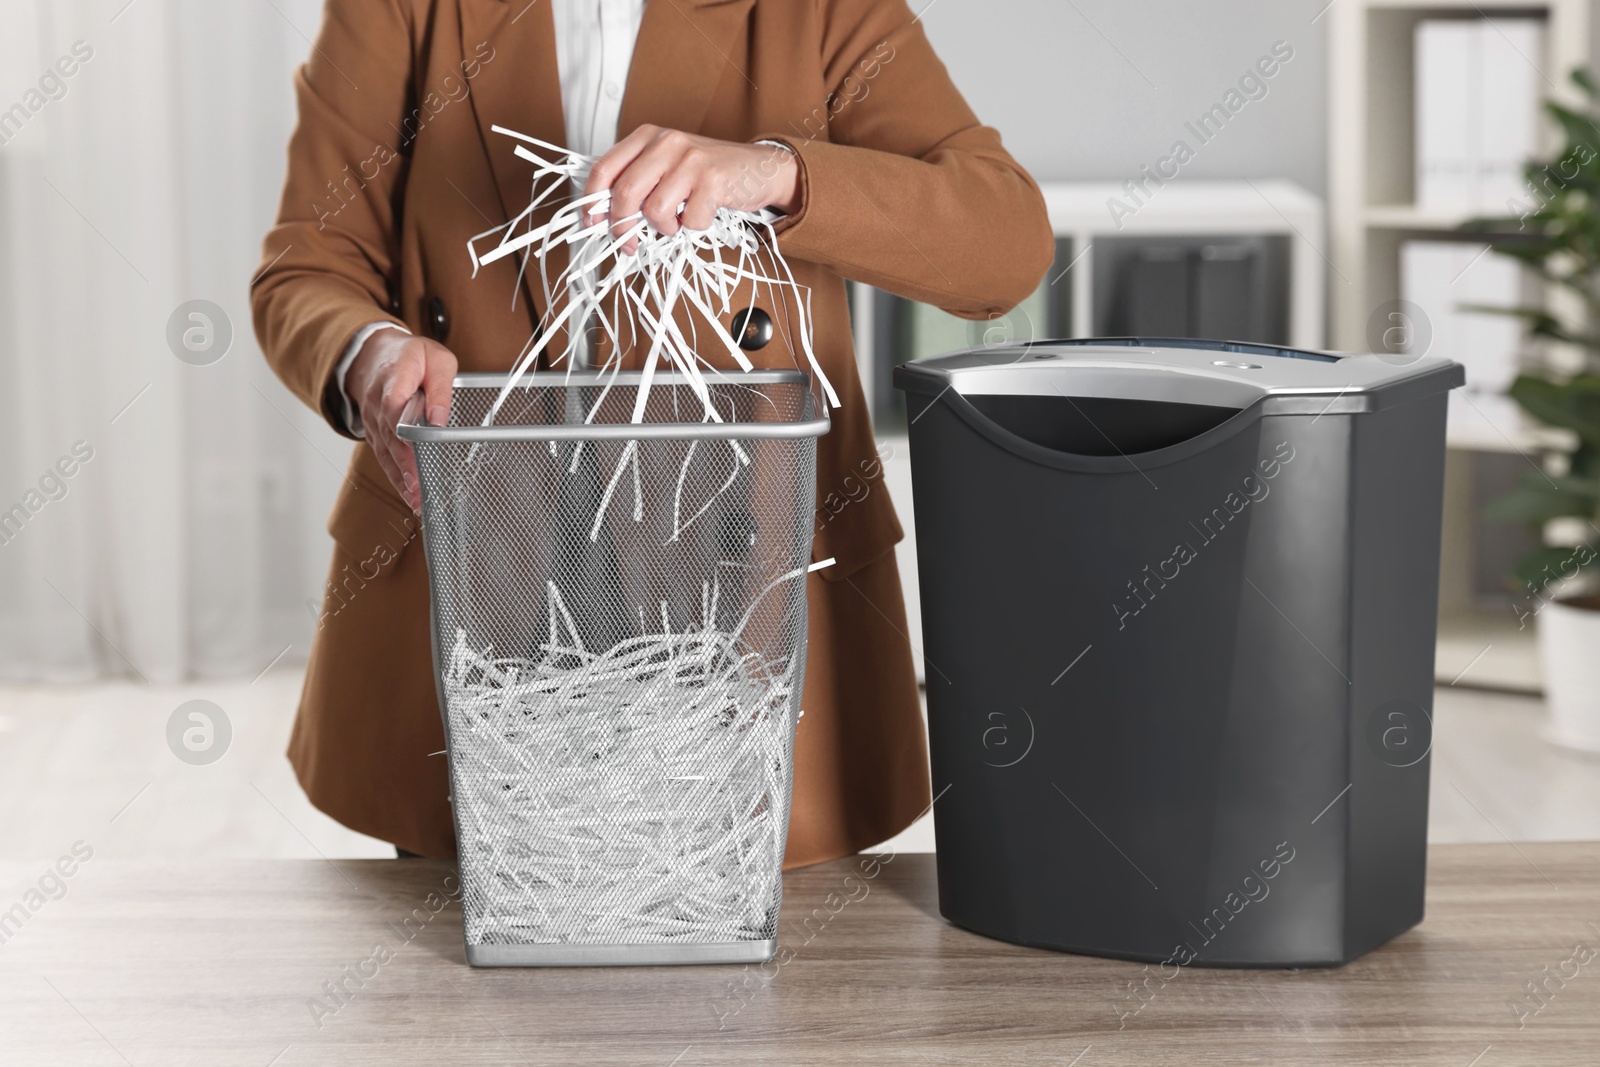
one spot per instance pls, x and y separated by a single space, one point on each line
794 428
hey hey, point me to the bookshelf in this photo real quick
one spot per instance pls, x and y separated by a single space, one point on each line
1079 218
1371 133
1371 213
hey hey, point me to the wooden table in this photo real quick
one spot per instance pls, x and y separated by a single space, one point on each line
226 963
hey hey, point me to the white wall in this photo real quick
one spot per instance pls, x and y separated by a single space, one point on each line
1093 89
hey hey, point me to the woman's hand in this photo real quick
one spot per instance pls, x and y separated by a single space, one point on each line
384 381
656 171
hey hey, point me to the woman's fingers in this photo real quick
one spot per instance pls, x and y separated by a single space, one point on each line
609 166
661 206
390 451
438 376
392 385
383 442
676 180
619 173
700 207
396 387
399 393
642 177
394 378
411 411
394 469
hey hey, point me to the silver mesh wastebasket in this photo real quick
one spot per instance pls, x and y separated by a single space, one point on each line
618 613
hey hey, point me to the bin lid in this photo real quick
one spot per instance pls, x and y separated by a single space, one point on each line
1230 374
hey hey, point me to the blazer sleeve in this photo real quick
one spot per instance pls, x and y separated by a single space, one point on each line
907 191
328 261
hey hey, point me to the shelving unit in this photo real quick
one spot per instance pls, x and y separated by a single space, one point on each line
1371 213
1079 216
1078 210
1371 139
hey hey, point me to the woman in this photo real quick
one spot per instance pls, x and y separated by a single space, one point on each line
835 112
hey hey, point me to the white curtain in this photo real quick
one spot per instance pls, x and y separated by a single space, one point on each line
191 541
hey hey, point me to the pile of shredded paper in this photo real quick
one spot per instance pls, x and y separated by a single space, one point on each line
639 794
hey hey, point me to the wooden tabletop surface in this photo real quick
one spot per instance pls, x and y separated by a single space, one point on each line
230 962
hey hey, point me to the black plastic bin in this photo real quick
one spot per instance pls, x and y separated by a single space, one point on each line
1179 603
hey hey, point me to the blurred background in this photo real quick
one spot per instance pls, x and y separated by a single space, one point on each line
1293 172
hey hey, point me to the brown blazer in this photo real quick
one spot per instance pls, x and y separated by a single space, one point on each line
393 166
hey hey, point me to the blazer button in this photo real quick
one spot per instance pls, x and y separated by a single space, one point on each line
438 321
752 329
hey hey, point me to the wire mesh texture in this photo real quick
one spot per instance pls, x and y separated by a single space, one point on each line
619 624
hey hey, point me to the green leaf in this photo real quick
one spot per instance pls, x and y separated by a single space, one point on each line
1540 323
1572 405
1584 462
1539 502
1580 129
1546 566
1553 231
1567 483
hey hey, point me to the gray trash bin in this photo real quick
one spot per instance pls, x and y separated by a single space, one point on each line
1179 606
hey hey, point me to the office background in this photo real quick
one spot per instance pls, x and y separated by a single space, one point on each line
184 558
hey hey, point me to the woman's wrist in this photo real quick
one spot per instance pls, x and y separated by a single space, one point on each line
379 350
784 164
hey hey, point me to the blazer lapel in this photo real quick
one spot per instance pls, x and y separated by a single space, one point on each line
685 49
519 90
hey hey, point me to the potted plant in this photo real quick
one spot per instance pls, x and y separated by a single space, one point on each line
1556 236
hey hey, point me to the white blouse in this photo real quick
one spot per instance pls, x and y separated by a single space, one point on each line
594 48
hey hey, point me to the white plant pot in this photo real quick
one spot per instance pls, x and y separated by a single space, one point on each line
1569 652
